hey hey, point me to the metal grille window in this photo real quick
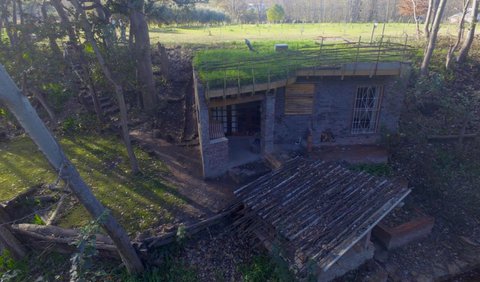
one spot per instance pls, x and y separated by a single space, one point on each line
220 115
366 109
227 116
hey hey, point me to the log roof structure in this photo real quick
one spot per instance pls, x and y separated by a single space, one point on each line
315 211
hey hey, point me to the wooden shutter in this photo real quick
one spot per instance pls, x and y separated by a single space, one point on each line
299 99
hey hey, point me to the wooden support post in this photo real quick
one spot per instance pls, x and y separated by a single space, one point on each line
356 56
253 80
378 58
269 79
288 65
7 240
320 54
224 84
405 46
208 91
238 81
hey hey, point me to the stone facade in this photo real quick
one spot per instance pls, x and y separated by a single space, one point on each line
333 112
268 123
214 152
333 100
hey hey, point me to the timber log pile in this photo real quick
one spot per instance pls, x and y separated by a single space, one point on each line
314 211
19 236
61 240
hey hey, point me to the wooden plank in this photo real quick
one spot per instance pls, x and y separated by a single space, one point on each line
215 93
301 88
235 100
299 99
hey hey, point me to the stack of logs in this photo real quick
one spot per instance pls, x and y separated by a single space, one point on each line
18 238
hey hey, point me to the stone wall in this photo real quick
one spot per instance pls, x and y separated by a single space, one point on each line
333 111
268 123
214 153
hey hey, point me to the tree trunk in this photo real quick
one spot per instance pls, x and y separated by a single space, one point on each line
118 89
84 76
41 99
433 38
19 105
454 47
10 27
64 21
462 54
372 15
139 28
428 18
415 17
52 40
1 26
20 11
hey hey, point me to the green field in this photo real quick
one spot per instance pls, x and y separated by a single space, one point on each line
138 202
181 35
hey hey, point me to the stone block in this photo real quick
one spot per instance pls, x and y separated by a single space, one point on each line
351 260
400 235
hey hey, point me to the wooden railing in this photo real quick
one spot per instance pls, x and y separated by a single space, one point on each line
282 66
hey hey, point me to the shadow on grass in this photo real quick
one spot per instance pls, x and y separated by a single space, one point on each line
134 198
169 30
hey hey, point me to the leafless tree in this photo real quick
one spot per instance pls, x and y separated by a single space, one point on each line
428 18
141 47
432 39
454 46
83 73
467 44
52 39
21 108
117 87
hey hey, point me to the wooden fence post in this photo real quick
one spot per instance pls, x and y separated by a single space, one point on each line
378 56
320 54
225 84
253 80
238 80
405 46
356 56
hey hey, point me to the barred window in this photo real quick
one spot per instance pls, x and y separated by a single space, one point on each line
366 109
227 116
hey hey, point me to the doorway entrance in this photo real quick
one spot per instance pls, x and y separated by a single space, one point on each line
240 119
242 126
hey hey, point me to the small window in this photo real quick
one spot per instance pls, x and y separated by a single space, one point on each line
366 109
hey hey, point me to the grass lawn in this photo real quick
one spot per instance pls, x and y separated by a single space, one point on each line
205 35
138 202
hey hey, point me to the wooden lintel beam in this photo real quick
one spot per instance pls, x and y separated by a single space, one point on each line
235 100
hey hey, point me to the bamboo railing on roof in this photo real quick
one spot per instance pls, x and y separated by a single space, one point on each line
282 66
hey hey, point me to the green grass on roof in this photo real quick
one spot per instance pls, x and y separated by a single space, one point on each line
234 64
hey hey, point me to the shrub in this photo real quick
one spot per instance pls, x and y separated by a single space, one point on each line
275 14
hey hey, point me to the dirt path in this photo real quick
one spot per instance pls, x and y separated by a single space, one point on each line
185 173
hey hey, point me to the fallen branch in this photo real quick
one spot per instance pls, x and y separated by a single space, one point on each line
53 216
41 237
190 230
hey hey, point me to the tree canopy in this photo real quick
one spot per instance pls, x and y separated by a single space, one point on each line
276 13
